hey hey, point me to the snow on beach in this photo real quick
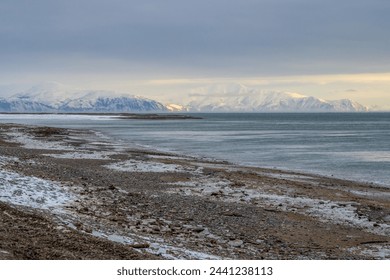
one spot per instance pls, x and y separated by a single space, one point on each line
145 166
157 246
221 189
102 155
213 181
31 143
326 210
31 191
94 148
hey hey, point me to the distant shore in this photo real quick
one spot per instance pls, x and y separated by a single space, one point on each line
71 194
141 116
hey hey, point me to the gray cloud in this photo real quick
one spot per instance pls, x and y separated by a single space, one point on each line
220 37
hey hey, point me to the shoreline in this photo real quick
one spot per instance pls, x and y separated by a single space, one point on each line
164 205
138 116
313 173
363 167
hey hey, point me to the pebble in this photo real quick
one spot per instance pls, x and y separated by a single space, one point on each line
198 229
149 222
236 243
387 218
140 245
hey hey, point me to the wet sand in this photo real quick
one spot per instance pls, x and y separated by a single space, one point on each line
72 194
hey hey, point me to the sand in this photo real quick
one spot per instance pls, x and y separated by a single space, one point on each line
73 194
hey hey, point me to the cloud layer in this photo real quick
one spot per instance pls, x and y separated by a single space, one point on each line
222 37
144 46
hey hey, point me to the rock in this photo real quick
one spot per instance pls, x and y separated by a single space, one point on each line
149 222
88 230
387 218
140 245
165 230
232 214
78 225
155 228
236 243
207 233
198 229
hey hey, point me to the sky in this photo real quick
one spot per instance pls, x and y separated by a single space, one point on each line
164 48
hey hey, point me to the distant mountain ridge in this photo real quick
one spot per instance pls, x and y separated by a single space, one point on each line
54 97
239 98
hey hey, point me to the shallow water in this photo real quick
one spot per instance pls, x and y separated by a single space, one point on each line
354 146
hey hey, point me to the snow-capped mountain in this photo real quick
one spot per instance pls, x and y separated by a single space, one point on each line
239 98
54 97
17 105
176 108
107 101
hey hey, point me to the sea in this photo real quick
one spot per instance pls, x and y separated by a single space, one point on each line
353 146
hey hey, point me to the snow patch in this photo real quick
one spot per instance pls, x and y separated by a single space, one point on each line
335 212
167 157
204 186
372 193
31 191
4 160
377 251
157 247
30 143
329 211
84 155
144 166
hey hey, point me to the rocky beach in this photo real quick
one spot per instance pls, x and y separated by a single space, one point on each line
78 194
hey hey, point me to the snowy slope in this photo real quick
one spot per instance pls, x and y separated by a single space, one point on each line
51 94
239 98
20 105
54 97
176 108
107 101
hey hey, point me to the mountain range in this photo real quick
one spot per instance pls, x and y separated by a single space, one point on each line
239 98
54 97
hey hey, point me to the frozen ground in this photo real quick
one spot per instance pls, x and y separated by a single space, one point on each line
31 143
326 210
145 166
157 246
84 155
31 191
213 182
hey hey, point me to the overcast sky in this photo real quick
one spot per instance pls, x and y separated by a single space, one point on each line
162 48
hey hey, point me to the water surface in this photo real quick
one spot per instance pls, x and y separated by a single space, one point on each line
354 146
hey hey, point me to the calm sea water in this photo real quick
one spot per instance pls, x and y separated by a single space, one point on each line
355 146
